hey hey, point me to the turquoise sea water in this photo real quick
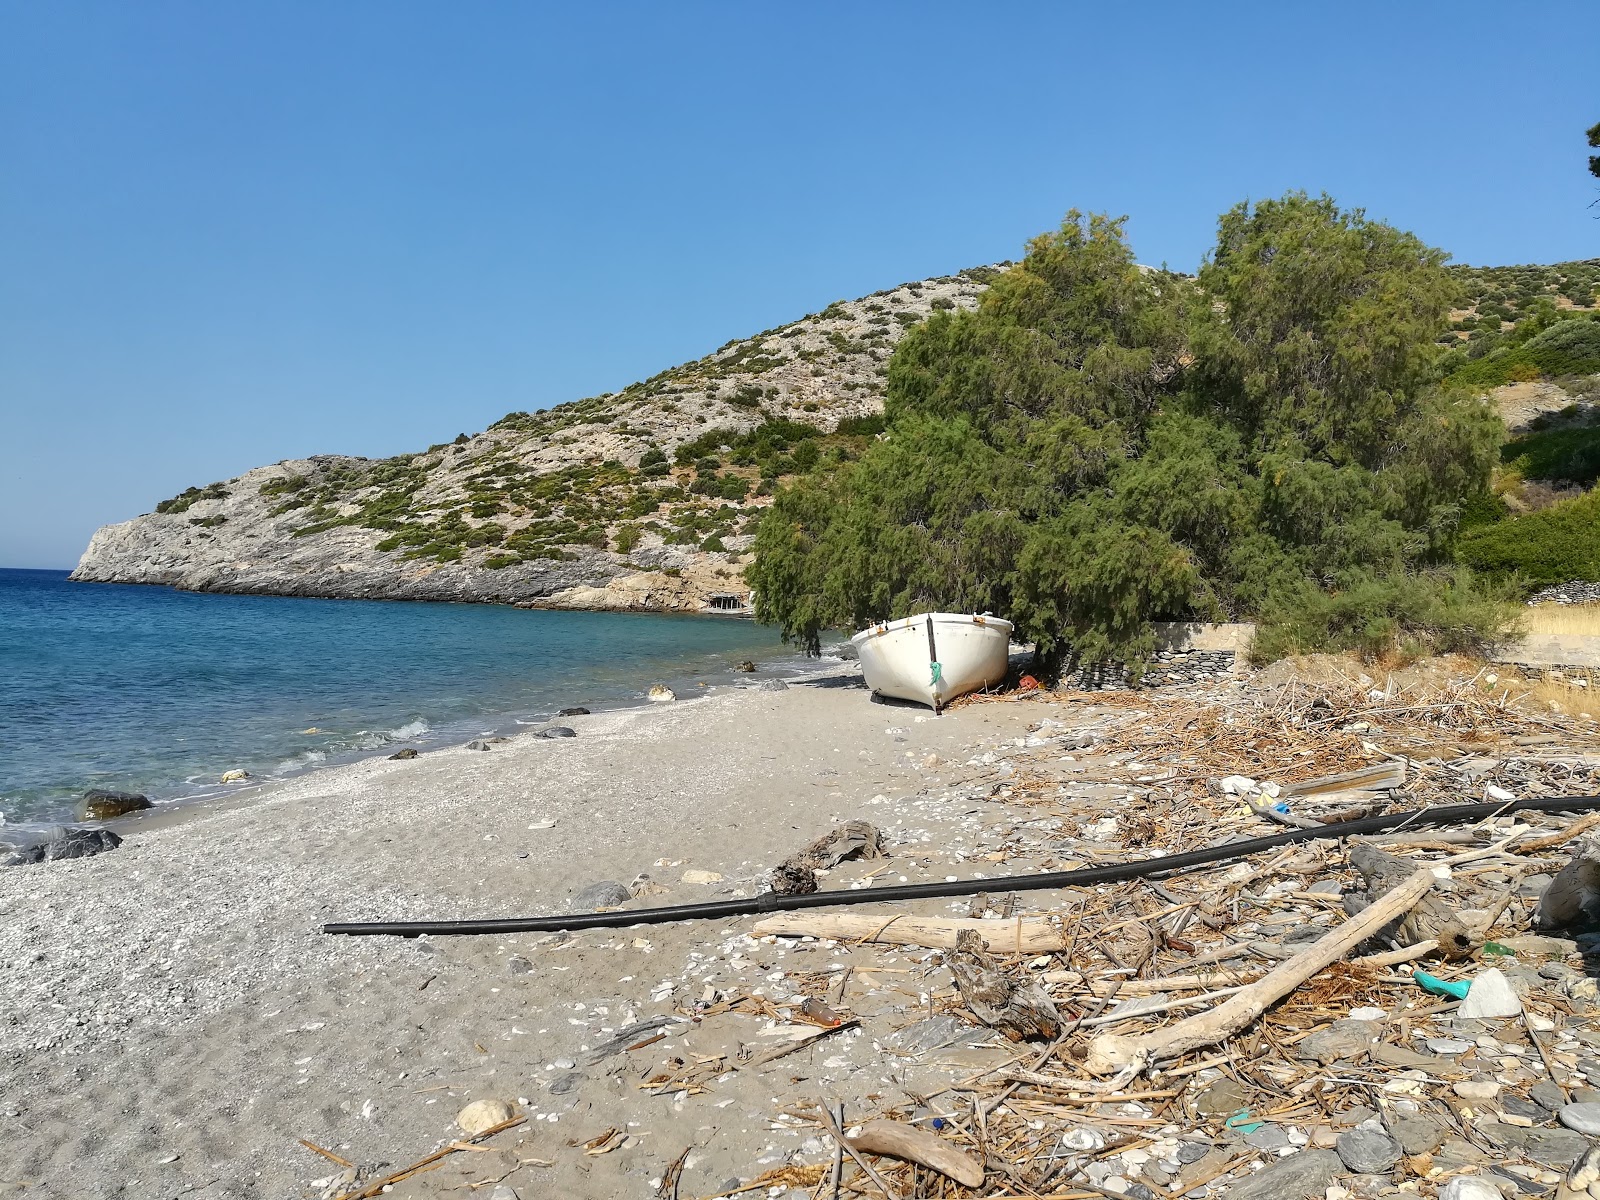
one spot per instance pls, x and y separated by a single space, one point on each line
158 691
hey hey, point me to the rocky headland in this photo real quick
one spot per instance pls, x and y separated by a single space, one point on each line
638 499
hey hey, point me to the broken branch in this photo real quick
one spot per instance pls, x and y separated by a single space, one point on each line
1113 1052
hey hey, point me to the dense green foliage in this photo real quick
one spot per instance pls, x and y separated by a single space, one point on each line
1571 455
1099 446
1547 343
1554 545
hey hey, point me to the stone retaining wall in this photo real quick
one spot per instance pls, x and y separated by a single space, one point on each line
1190 652
1576 592
1169 668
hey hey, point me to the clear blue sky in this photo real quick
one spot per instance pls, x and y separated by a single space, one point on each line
234 233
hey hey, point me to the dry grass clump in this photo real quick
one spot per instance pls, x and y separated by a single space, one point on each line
1568 692
1581 620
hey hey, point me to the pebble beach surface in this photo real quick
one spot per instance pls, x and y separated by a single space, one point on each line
172 1021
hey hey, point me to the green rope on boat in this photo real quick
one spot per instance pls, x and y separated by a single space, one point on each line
938 673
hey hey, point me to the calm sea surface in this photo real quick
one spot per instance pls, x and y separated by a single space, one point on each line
153 690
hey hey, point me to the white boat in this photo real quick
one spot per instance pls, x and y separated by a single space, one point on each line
932 658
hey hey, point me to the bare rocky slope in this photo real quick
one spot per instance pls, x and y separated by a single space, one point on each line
638 499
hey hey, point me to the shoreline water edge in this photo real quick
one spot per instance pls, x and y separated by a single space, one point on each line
146 690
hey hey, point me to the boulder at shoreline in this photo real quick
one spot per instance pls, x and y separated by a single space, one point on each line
98 805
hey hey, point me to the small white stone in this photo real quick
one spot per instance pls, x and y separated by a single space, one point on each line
1476 1089
483 1114
1490 996
1367 1014
1469 1187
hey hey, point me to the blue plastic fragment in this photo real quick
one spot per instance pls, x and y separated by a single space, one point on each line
939 1122
1442 987
1242 1122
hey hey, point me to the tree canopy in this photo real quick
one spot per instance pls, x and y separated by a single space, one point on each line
1100 445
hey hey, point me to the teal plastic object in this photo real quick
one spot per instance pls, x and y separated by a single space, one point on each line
1241 1122
1440 987
938 673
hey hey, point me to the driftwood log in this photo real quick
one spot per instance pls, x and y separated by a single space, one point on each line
909 1144
1004 937
797 874
1573 897
1017 1008
1432 919
1131 1055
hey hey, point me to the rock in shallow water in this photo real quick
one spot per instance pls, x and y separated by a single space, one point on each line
573 712
661 693
105 806
58 843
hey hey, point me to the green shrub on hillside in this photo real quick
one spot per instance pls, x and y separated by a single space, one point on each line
189 496
865 426
1555 545
284 485
1568 454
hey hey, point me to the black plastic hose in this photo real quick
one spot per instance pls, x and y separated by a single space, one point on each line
768 902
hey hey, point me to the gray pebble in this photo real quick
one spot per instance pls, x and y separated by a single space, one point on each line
1548 1096
562 1084
608 893
1585 1118
1417 1133
518 965
1293 1177
1368 1151
1520 1107
1268 1137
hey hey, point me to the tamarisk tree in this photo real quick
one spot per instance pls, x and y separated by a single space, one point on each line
1101 445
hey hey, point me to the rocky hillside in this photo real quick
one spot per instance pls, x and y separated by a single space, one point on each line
642 498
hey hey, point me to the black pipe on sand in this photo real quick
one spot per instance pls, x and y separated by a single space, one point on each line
770 902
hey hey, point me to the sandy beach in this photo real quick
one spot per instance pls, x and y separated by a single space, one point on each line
174 1021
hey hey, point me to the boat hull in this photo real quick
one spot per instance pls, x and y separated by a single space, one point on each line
971 652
